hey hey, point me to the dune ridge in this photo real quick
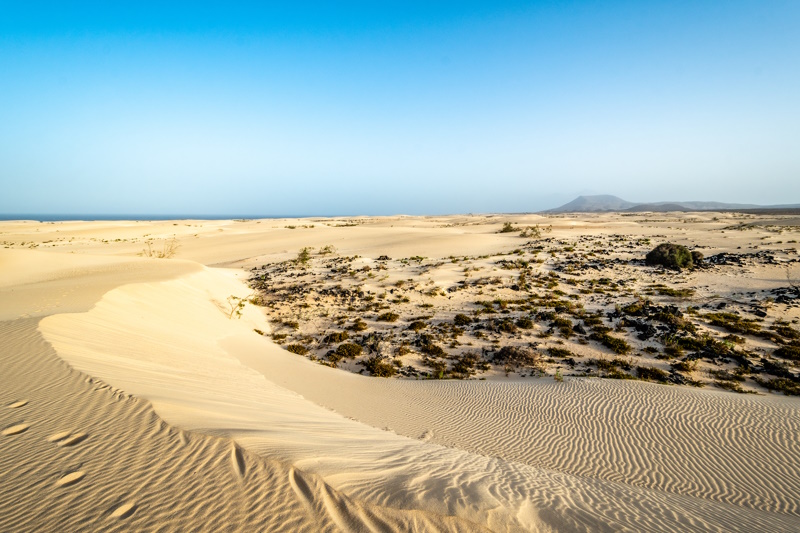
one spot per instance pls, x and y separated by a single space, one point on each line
491 485
95 458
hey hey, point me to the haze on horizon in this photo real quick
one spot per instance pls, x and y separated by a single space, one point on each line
395 107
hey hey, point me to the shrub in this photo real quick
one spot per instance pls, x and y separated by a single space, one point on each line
559 352
417 325
684 366
787 331
348 349
299 349
433 350
517 355
507 228
786 386
613 343
388 317
651 374
358 325
672 256
464 366
378 367
335 337
461 320
733 322
505 326
303 256
788 352
524 323
730 386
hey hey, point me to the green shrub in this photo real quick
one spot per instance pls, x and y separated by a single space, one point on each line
517 355
299 349
508 227
336 337
651 374
733 322
684 366
524 323
358 325
378 367
462 320
417 325
784 385
788 352
433 350
303 256
613 343
506 326
348 349
388 317
559 352
672 256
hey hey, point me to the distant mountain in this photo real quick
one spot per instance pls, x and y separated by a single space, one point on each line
606 202
599 202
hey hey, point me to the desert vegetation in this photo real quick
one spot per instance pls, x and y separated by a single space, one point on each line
616 306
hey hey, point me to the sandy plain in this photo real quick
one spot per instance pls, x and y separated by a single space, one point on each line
138 395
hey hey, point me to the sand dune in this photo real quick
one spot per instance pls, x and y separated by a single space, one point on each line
131 400
606 438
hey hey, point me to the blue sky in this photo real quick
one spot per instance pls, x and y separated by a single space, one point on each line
395 107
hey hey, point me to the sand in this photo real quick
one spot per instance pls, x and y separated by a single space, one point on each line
131 400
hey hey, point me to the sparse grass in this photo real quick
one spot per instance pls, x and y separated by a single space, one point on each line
168 249
733 322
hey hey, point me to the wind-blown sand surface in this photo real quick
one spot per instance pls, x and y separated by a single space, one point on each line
190 420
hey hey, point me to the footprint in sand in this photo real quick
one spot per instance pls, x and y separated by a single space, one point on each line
16 429
71 478
18 404
124 510
66 438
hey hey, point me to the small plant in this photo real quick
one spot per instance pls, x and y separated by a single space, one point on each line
348 350
236 305
433 350
461 320
508 227
299 349
558 377
524 323
613 343
358 325
651 374
388 317
168 250
336 337
378 367
417 325
303 257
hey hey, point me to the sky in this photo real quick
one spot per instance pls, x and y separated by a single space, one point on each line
383 107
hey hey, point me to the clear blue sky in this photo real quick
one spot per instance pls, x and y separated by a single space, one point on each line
395 107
